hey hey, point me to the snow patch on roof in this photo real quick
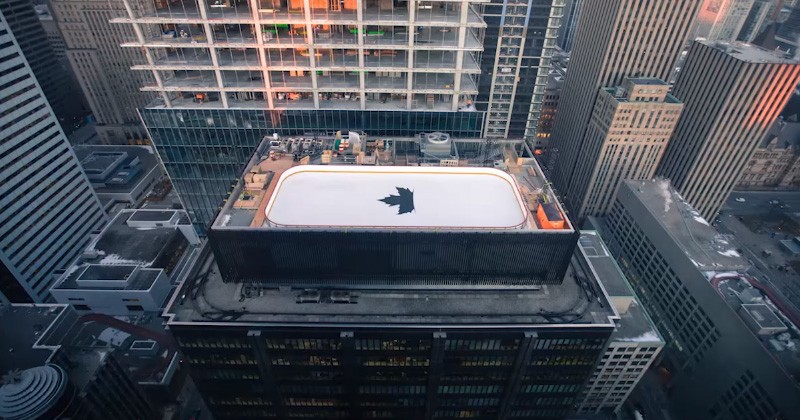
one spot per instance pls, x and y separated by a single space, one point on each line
648 336
114 259
722 274
729 253
665 192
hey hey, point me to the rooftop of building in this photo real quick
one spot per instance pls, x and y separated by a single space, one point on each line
621 96
482 185
206 299
21 326
152 246
751 53
85 362
31 334
784 133
648 81
776 321
635 324
708 249
116 169
133 249
115 277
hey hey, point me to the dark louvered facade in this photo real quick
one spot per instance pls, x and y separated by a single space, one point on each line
392 258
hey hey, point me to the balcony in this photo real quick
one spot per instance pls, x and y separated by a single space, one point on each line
189 80
240 58
243 79
290 80
444 13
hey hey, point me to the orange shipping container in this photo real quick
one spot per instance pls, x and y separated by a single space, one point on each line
549 216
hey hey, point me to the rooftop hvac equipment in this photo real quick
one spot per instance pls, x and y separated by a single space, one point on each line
436 144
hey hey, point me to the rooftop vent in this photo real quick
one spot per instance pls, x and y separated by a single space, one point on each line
341 296
309 296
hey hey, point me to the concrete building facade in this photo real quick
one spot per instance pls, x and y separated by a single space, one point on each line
552 94
132 265
299 55
613 40
566 35
120 174
34 42
756 21
731 347
518 45
103 68
635 344
776 162
730 20
630 128
726 115
48 207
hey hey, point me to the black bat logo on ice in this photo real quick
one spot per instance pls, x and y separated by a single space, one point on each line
405 200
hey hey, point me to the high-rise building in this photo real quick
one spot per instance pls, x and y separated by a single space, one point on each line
103 69
731 19
570 21
787 35
756 21
228 73
54 38
630 128
519 42
414 316
613 40
726 114
552 93
732 342
48 207
58 86
634 345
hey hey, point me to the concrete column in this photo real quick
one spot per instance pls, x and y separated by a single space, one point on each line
223 96
462 37
362 75
311 51
262 54
148 54
412 28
